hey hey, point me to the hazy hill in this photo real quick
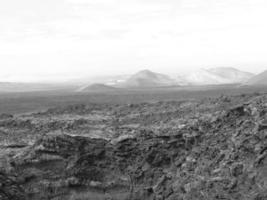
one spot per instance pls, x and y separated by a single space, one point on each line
260 79
204 77
217 76
231 74
147 78
98 87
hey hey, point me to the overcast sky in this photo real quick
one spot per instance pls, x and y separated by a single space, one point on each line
65 39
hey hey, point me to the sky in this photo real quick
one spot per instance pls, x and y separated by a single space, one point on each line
60 40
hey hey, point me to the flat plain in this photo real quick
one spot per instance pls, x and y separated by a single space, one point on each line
22 102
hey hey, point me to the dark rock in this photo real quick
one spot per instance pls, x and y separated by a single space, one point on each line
186 151
10 189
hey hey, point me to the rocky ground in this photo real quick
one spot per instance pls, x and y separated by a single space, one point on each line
214 148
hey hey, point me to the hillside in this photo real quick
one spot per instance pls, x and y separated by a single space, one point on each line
231 74
147 78
216 76
204 77
260 79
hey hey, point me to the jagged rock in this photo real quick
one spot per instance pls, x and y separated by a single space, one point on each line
218 153
10 189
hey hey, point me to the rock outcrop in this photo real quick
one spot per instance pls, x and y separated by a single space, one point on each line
223 156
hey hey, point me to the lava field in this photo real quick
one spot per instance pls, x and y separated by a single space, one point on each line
206 149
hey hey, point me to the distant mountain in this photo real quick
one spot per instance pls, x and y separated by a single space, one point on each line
231 74
217 76
98 87
147 78
260 79
204 77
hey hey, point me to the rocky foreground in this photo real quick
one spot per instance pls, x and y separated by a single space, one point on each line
187 150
